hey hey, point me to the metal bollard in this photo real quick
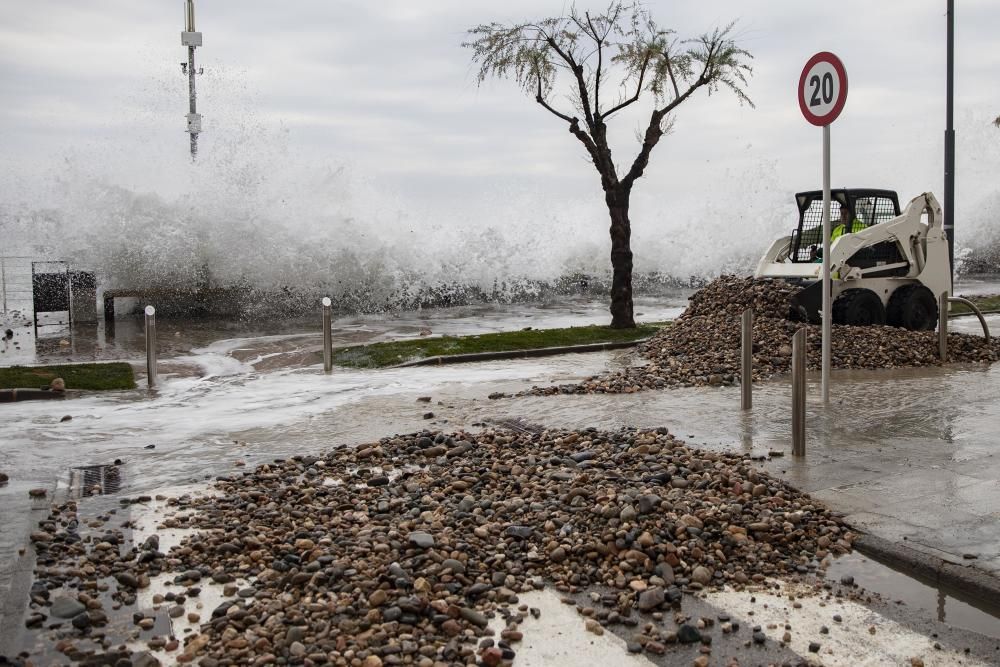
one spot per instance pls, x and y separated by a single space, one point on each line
799 393
327 336
746 367
151 346
943 326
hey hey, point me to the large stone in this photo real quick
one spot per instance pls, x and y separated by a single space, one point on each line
688 634
665 572
520 532
144 659
454 565
651 598
701 575
127 580
473 616
63 607
647 503
421 539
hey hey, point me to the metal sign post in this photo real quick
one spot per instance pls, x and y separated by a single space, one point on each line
949 143
822 95
827 287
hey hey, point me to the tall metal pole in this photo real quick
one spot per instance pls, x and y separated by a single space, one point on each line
193 104
827 305
191 39
949 144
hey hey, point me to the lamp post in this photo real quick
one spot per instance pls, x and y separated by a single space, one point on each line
191 39
949 143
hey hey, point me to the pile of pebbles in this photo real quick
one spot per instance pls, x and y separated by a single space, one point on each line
702 347
401 551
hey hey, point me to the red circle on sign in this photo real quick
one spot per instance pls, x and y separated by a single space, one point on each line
838 67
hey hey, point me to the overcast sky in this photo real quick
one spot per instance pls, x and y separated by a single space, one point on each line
384 91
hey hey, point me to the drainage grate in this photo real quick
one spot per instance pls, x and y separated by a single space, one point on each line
96 480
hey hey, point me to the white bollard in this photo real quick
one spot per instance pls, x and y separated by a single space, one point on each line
327 336
151 346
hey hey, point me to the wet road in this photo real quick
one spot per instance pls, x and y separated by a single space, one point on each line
248 399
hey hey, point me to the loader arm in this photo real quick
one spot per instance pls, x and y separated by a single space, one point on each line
907 235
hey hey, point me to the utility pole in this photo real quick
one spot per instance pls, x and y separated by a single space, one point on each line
191 39
949 143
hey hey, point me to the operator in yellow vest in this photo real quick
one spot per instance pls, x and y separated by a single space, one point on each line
846 225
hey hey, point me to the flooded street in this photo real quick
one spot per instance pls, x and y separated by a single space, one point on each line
296 342
921 441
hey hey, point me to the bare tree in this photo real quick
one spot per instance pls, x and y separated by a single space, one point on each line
611 60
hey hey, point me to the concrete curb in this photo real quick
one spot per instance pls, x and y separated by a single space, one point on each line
519 354
969 580
984 312
15 600
15 395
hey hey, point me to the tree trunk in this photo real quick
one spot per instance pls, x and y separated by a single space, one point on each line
621 259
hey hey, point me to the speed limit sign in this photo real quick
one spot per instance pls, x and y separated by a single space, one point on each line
822 88
822 95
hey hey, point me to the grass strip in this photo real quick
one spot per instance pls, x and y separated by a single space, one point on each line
983 302
115 375
380 355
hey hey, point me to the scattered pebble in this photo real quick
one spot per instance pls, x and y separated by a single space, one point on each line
452 540
702 346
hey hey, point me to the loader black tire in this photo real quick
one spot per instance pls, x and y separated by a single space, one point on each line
858 307
912 307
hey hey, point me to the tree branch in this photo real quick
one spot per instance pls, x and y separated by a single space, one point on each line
587 141
577 70
574 127
541 100
654 132
597 75
702 79
670 71
638 90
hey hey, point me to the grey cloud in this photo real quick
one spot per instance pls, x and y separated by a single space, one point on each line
386 86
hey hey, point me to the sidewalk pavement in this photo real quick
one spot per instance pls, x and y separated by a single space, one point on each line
920 495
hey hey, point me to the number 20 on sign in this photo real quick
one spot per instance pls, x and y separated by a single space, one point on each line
822 88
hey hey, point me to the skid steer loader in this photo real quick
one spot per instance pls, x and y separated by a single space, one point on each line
886 266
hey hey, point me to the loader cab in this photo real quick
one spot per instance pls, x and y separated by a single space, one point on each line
870 207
